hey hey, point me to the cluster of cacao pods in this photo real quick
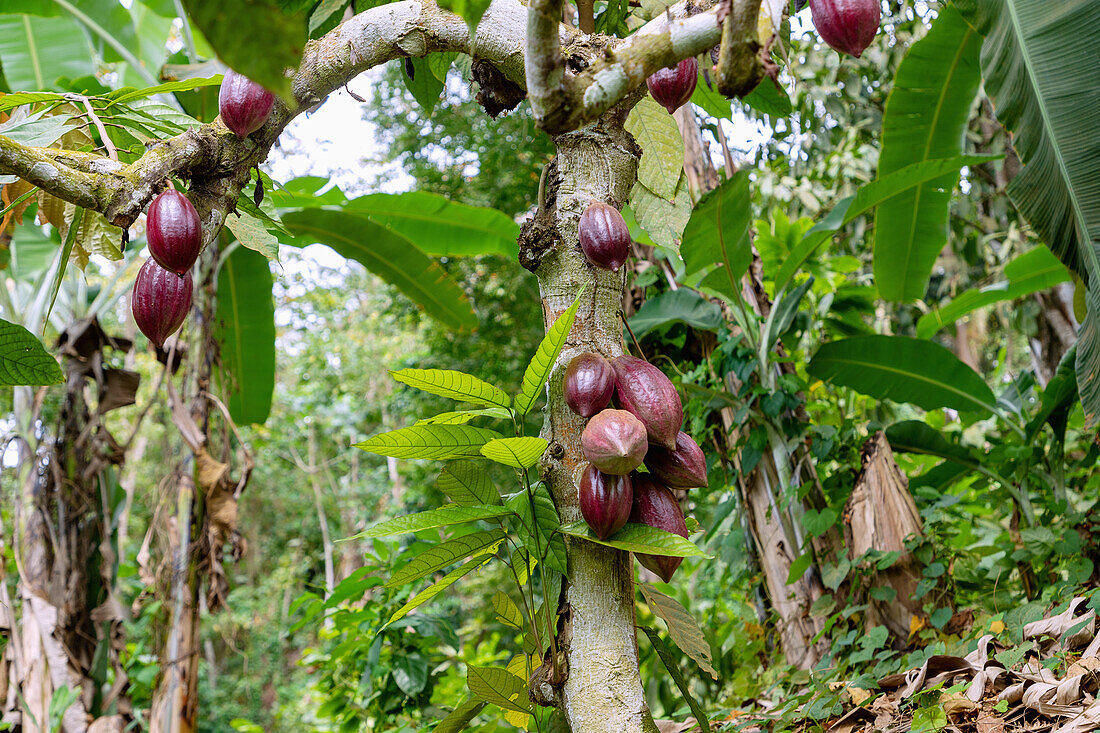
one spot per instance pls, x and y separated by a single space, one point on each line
162 290
643 427
848 26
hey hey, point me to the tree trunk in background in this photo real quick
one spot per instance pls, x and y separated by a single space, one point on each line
1057 330
68 615
603 690
881 515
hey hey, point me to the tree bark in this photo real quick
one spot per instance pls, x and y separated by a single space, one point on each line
603 690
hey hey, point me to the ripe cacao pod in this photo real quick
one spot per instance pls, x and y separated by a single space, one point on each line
655 506
589 383
605 237
174 232
243 104
605 501
614 441
643 390
683 468
672 88
849 26
160 301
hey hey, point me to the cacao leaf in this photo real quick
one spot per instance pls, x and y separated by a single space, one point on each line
253 233
542 363
422 84
458 719
447 553
126 95
507 612
498 686
438 587
442 517
521 453
461 417
662 147
23 359
682 627
430 441
673 668
454 385
718 233
638 538
470 10
468 484
903 369
539 524
663 220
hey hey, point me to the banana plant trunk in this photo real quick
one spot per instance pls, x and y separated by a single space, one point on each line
602 689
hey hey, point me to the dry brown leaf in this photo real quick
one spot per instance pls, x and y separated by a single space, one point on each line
673 726
956 703
989 723
1088 720
1056 626
1083 665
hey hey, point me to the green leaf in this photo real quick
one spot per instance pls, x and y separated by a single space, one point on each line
506 610
521 453
1029 273
767 98
718 233
447 553
440 227
23 359
870 195
799 567
467 483
497 686
926 118
461 417
442 517
1088 357
709 98
423 84
682 627
438 587
129 94
673 668
454 385
638 538
325 10
434 442
539 524
657 133
36 52
390 256
470 10
542 363
1058 398
782 314
37 131
683 305
458 719
903 369
916 436
663 220
273 42
246 335
253 233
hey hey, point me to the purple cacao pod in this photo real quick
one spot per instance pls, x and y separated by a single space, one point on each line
243 104
683 468
655 506
643 390
605 237
614 441
160 301
672 88
174 232
848 26
605 501
589 383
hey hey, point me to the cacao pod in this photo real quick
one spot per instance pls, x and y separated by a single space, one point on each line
160 301
848 26
174 232
672 88
589 383
644 391
605 237
614 441
655 506
683 468
243 104
605 501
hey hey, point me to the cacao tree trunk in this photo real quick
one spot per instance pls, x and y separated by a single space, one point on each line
602 689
